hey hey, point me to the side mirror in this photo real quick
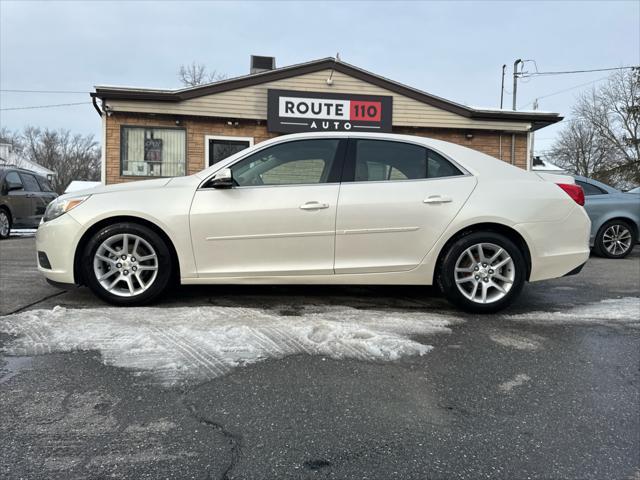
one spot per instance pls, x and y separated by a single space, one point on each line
222 179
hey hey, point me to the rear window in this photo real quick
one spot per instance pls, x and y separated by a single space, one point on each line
590 189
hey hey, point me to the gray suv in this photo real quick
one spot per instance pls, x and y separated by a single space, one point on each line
615 218
24 196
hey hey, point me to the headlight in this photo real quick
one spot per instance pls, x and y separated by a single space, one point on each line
61 206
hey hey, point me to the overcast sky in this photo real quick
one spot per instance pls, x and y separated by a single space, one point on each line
451 49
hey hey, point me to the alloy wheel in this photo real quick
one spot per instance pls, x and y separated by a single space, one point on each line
4 224
484 273
125 265
617 239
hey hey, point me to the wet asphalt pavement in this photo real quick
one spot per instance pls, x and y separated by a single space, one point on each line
494 398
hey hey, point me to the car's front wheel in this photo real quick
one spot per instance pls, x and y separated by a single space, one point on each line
127 264
482 272
615 239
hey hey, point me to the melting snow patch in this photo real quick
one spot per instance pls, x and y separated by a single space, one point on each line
518 341
624 310
206 342
23 232
517 381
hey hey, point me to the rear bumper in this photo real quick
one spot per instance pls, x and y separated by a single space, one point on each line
58 240
576 270
557 248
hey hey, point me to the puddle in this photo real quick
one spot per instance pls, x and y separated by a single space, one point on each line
11 366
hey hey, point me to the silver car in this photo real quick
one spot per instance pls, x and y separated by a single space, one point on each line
615 218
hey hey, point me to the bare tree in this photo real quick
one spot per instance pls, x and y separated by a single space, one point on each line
581 150
198 74
602 141
70 156
12 138
613 110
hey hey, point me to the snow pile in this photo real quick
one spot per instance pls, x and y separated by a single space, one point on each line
622 311
206 342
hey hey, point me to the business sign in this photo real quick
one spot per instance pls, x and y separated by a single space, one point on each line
294 111
153 150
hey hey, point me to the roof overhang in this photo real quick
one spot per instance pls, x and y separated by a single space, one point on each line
537 119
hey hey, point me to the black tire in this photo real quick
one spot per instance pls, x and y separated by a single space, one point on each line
164 264
5 215
599 247
446 272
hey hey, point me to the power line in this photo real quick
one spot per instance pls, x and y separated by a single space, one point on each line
564 90
45 106
40 91
525 74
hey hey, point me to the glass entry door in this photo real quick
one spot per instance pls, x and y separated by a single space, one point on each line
221 148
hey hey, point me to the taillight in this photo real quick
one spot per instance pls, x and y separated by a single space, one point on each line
574 191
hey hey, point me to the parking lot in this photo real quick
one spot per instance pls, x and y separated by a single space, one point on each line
317 382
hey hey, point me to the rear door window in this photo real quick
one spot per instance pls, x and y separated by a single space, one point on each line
30 183
383 160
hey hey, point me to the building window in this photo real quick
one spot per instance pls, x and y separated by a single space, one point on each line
219 148
153 152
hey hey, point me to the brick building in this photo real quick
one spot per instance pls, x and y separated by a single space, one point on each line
153 133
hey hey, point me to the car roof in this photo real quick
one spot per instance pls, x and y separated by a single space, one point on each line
8 168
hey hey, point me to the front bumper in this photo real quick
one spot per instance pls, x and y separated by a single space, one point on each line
58 240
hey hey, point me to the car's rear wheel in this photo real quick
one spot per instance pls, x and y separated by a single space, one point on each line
127 264
5 224
482 272
615 239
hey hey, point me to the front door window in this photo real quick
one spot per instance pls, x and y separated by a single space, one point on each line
291 163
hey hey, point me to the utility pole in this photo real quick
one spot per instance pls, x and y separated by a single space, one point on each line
515 80
533 141
515 89
502 86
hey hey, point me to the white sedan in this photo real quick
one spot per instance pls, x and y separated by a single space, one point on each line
322 208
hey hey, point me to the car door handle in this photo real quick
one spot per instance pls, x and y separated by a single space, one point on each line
437 199
314 206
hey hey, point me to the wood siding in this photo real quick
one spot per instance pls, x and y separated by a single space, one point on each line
251 103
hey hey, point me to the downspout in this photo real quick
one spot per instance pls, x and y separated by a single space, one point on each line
95 105
530 144
513 149
103 148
